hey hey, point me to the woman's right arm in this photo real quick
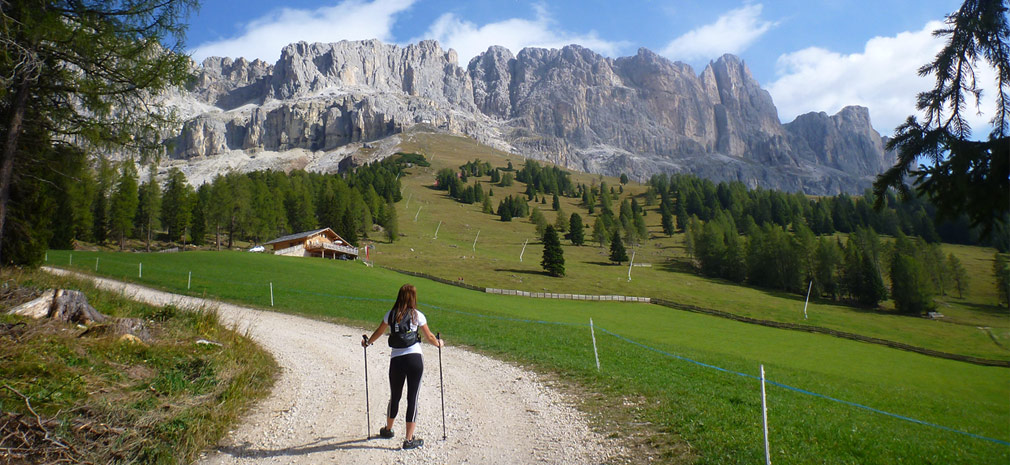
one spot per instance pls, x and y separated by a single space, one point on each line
378 332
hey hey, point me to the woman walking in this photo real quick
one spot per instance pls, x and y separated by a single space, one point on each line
405 363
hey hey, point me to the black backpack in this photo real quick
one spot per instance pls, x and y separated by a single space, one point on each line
400 335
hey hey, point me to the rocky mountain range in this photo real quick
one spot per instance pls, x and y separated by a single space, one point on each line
640 115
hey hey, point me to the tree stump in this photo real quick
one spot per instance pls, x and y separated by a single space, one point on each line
72 307
69 306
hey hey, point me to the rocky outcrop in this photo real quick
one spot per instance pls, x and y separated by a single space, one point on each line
844 141
639 115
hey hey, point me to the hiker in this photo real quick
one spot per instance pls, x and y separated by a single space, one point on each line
406 362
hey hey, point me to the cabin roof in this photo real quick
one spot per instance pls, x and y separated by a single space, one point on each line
302 235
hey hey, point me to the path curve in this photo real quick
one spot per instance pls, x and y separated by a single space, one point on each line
316 411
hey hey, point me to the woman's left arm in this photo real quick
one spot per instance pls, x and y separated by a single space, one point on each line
378 332
431 337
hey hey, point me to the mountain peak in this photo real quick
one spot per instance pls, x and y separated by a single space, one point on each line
640 114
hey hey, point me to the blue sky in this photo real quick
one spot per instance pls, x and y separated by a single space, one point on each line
811 55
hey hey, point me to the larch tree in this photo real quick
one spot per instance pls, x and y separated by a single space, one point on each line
958 174
177 205
84 74
124 203
958 274
149 209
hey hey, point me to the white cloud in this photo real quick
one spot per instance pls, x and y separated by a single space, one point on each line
733 32
349 20
469 39
883 77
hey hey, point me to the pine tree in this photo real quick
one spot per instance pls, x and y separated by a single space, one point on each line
201 205
537 218
958 275
910 286
561 221
149 208
221 198
666 220
556 203
177 207
617 252
82 196
576 232
600 234
827 258
681 216
554 256
124 203
100 229
1001 270
391 223
505 209
299 206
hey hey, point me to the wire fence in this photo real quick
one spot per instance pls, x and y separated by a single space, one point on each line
618 336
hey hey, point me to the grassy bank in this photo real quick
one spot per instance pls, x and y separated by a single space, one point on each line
112 401
692 412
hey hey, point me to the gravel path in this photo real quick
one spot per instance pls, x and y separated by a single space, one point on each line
316 412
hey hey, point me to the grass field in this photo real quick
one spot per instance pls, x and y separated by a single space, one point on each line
688 412
494 262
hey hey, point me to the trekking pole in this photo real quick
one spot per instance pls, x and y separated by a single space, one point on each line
441 381
368 417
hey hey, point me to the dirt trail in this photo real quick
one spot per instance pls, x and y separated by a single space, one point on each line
495 412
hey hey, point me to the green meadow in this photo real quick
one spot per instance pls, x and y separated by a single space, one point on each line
650 390
973 326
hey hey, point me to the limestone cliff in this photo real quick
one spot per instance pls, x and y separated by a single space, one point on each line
639 115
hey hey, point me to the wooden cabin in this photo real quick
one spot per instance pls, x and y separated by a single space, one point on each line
319 243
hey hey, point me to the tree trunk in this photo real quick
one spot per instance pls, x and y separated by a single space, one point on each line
217 235
14 128
231 231
149 221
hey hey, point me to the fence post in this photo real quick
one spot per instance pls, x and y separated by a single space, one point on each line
595 352
140 270
189 280
475 241
524 250
811 286
631 263
71 259
764 417
418 213
436 229
96 263
271 294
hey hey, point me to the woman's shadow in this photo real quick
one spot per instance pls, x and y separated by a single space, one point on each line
247 450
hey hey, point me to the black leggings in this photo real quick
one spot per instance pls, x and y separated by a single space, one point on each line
405 367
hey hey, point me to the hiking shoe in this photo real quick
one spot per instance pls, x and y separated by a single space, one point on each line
413 443
385 433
